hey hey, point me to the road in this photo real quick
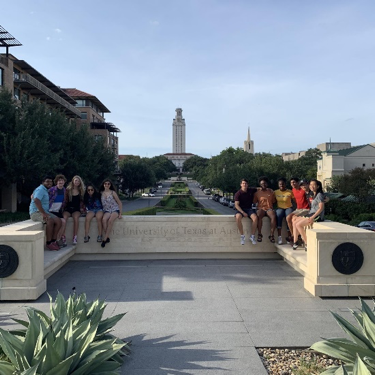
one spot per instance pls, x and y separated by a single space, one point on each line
206 202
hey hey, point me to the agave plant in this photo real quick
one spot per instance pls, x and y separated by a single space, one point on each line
74 340
358 354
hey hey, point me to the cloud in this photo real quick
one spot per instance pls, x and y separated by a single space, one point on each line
48 38
58 30
154 23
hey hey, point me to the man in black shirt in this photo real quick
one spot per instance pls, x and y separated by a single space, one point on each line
243 202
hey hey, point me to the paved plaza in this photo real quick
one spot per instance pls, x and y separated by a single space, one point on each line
198 316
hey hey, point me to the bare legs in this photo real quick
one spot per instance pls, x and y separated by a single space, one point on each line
53 226
254 223
75 215
299 228
108 220
89 217
271 214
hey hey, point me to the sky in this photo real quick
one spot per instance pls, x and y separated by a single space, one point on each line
298 73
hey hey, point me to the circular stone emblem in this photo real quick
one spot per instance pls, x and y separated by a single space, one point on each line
8 261
347 258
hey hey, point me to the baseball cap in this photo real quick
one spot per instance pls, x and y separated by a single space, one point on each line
304 182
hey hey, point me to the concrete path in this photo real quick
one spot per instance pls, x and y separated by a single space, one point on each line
203 317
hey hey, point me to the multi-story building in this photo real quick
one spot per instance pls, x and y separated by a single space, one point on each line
327 146
92 111
338 162
179 155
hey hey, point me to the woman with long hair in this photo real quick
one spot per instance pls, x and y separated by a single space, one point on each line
112 208
93 203
316 213
73 205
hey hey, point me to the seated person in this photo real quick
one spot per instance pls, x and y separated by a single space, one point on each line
284 208
265 199
243 202
316 213
39 211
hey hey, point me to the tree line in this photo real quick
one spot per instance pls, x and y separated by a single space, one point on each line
36 140
225 170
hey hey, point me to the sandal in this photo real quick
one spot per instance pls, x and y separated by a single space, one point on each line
260 237
272 238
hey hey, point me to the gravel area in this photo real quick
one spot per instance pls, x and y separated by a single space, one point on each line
294 361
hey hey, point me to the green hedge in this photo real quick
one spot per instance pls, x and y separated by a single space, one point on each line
165 200
194 201
142 211
13 217
348 212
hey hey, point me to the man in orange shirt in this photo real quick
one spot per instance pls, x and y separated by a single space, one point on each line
265 198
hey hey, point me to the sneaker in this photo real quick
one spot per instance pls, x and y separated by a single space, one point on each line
60 243
103 244
53 246
288 240
99 239
242 239
86 239
63 238
295 246
253 240
75 240
279 240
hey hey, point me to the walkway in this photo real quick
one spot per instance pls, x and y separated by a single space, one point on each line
203 317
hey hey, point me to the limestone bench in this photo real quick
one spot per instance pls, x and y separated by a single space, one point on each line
187 237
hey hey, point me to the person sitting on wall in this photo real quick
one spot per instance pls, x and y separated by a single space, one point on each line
265 199
243 202
39 211
316 213
284 199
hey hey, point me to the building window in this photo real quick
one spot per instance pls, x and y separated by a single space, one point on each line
84 115
98 138
1 76
17 93
16 74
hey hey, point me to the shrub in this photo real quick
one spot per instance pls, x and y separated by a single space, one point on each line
358 354
141 211
74 340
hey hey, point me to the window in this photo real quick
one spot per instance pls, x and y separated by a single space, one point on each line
16 74
98 138
84 115
17 93
1 76
25 97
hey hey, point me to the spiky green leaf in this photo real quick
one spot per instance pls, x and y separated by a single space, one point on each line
360 368
6 368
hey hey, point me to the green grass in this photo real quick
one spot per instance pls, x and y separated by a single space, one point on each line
13 217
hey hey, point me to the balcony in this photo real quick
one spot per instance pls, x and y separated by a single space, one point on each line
105 125
26 81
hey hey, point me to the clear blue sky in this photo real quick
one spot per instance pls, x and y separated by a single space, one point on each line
297 72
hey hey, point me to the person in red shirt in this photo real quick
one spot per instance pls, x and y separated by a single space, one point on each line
299 192
265 198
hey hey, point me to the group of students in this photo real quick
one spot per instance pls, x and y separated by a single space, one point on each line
300 206
54 205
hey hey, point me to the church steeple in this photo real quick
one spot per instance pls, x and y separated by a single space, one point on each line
248 145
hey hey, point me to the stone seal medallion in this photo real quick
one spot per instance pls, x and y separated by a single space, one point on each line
347 258
8 261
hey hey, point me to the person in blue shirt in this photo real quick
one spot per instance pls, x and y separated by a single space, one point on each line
39 211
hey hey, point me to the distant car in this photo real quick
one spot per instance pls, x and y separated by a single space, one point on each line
231 204
225 202
144 194
369 225
160 186
207 191
151 194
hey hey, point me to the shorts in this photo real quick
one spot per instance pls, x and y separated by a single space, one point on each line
37 216
111 212
58 214
249 211
317 219
71 210
95 210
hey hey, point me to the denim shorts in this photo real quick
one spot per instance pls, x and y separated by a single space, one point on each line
95 210
249 211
